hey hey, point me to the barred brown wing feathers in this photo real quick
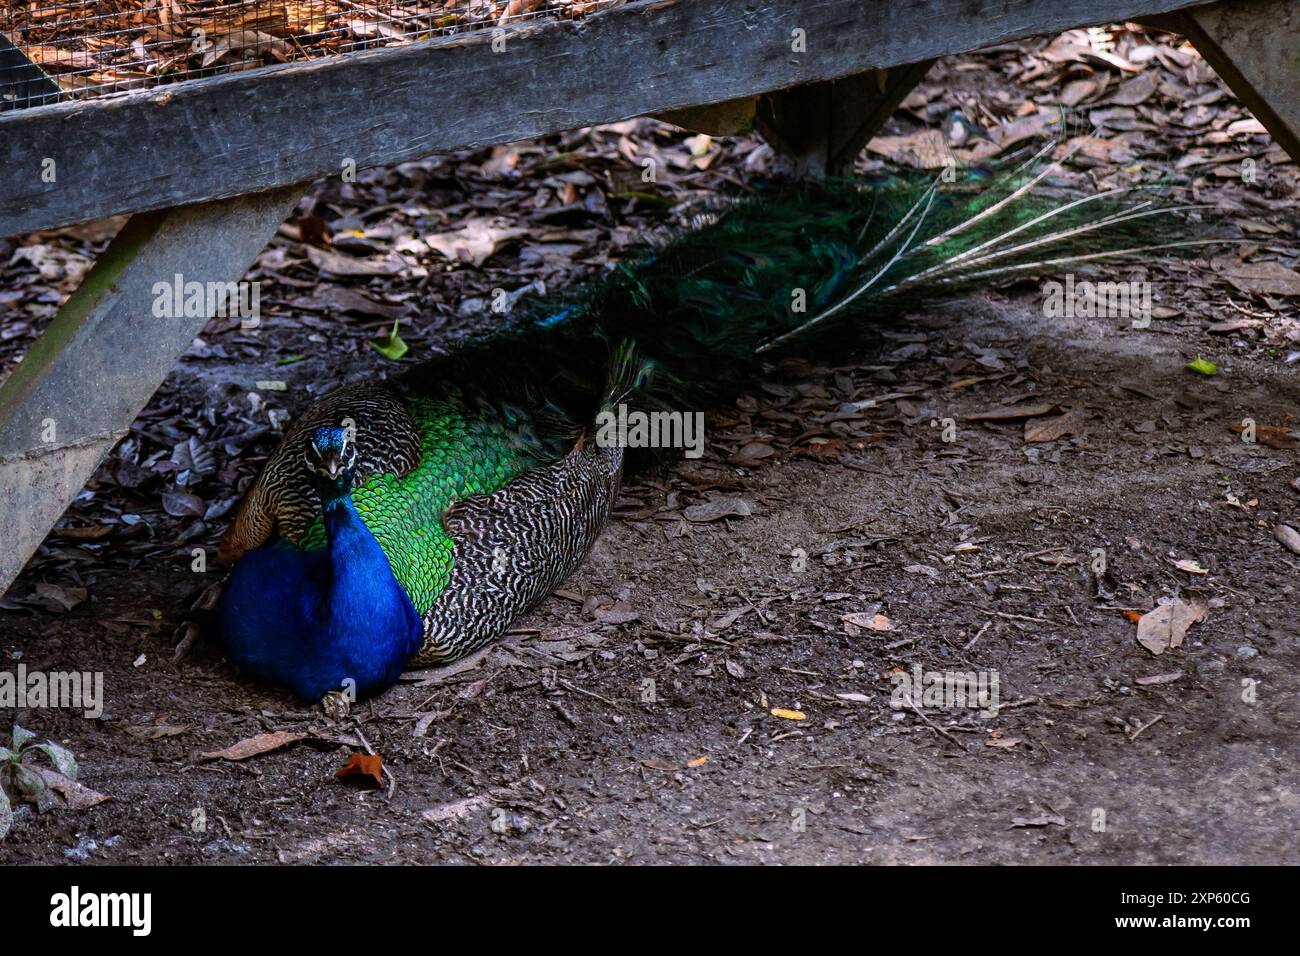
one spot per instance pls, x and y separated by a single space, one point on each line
514 547
283 498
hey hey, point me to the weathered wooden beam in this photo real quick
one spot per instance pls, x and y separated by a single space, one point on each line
75 394
1254 45
822 127
251 131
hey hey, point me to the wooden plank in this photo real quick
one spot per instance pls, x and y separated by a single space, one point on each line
822 127
254 130
1254 45
75 394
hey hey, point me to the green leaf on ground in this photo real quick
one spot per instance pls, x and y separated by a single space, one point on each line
32 788
61 757
391 346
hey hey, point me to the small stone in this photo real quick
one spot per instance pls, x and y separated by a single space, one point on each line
1288 536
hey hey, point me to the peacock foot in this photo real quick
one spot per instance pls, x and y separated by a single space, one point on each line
197 620
336 705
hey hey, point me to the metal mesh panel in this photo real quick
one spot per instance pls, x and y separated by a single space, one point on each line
88 47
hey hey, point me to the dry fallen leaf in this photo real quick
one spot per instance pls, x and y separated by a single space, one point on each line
181 504
255 746
1017 131
76 796
752 452
1234 325
1264 278
1271 436
453 811
1160 678
660 765
788 714
1164 627
1135 91
1010 412
1070 423
157 731
1076 91
58 598
924 149
872 622
1191 567
698 762
337 264
475 242
719 508
340 298
368 767
1246 127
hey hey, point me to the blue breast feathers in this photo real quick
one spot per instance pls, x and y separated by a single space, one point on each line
320 620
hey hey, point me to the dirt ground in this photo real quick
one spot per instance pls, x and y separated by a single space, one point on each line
631 718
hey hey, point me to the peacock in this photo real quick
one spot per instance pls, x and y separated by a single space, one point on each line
407 523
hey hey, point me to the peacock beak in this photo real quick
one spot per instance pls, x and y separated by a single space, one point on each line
331 465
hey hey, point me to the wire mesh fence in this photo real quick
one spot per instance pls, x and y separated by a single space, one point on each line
78 48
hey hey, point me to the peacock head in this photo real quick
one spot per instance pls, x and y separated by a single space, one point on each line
331 456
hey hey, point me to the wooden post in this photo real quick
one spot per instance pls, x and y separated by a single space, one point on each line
75 394
23 82
823 126
1254 45
728 118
